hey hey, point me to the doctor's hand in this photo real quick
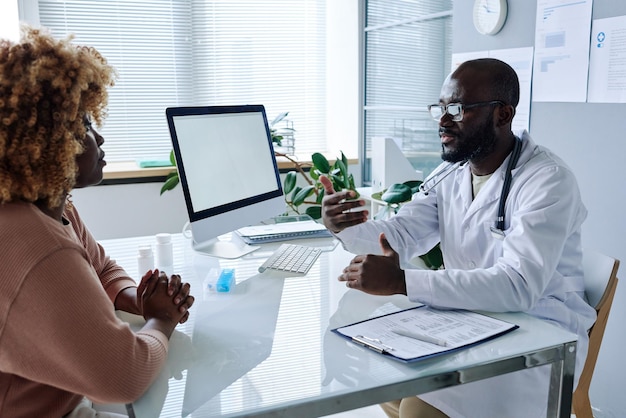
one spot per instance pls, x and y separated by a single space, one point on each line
376 274
337 213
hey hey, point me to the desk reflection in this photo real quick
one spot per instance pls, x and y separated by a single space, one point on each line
356 362
236 345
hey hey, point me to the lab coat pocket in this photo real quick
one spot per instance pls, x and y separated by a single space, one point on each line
495 238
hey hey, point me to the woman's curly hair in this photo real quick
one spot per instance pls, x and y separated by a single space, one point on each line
47 88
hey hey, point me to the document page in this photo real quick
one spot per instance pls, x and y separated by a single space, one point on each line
607 66
423 332
561 60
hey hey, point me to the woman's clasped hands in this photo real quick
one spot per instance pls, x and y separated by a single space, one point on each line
162 298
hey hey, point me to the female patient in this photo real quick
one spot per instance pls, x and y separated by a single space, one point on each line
60 341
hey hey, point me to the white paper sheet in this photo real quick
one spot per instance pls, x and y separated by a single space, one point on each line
561 61
521 59
607 66
457 328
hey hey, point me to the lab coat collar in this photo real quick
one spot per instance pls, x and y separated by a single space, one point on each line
492 189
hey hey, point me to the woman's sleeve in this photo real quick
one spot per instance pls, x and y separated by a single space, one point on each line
62 331
113 277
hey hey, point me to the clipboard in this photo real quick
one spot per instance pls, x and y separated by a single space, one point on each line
433 332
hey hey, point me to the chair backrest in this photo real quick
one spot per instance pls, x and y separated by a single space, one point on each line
599 270
600 278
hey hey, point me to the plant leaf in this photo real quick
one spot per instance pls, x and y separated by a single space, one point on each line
338 183
433 258
169 184
302 194
321 163
397 193
278 139
352 187
314 212
290 181
343 169
295 192
314 174
414 185
172 158
344 159
320 196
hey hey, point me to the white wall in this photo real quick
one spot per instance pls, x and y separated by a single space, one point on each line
129 210
590 138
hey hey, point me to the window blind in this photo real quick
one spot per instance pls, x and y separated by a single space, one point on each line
200 53
408 54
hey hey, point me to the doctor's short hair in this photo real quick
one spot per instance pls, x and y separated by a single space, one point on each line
504 81
47 89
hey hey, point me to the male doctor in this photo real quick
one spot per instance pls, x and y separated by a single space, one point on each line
524 257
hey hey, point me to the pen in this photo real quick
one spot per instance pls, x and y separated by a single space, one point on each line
422 337
373 343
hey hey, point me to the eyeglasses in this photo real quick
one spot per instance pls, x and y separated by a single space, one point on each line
456 110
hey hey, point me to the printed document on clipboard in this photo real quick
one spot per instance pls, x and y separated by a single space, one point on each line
423 332
283 231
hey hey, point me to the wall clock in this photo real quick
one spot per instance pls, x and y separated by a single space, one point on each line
489 15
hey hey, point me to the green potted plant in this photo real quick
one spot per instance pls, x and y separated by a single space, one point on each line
312 193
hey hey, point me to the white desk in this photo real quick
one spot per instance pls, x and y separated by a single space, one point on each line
265 349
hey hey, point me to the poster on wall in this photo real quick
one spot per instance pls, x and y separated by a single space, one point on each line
561 60
460 57
607 61
521 60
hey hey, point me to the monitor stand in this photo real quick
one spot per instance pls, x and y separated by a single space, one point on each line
232 248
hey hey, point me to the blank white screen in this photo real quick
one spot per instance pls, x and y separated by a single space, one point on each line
226 157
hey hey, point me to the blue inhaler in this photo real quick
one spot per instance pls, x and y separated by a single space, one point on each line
226 280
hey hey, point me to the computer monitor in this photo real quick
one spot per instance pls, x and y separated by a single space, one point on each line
228 172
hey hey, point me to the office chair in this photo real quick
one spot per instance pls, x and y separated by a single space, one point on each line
600 283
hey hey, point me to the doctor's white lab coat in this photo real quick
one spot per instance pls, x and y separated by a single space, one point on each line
535 268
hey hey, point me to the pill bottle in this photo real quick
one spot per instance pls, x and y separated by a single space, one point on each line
164 252
145 260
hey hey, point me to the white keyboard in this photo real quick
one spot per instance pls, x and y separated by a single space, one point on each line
292 258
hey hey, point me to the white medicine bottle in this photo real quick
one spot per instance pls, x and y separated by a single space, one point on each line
145 260
164 252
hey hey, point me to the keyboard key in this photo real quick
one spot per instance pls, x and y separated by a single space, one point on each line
292 258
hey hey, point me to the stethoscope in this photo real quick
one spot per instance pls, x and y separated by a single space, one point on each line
497 230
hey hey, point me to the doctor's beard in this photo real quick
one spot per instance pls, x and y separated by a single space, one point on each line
472 146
